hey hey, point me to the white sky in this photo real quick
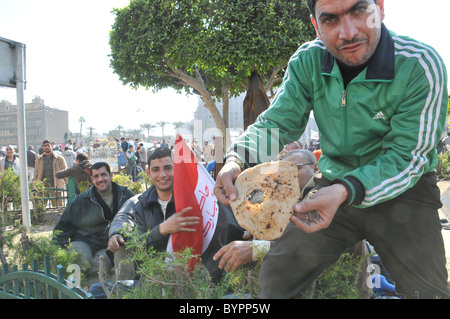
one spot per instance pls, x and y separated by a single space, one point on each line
68 65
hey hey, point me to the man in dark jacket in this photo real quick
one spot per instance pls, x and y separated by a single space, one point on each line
154 211
80 171
31 159
85 221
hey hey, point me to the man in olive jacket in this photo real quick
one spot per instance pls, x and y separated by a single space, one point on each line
85 221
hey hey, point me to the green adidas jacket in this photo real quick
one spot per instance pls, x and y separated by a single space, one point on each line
378 135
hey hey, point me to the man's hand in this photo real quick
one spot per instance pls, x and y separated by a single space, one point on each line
318 213
178 223
115 242
224 188
234 254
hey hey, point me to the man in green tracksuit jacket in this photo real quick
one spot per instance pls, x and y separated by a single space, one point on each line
380 102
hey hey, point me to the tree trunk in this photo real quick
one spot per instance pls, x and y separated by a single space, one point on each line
256 100
198 84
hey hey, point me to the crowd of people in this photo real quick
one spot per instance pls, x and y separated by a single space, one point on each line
52 166
380 103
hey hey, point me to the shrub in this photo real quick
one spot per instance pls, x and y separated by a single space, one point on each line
36 190
167 275
36 248
338 281
125 180
442 167
9 194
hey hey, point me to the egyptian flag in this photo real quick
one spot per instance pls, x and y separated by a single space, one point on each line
193 187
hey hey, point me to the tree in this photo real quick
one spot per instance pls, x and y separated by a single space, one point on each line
9 192
177 125
207 47
91 129
135 132
119 128
162 124
148 127
81 120
115 133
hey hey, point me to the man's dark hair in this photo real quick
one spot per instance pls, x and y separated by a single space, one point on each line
99 165
46 142
312 6
160 152
81 157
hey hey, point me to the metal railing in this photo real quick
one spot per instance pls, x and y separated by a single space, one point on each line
33 283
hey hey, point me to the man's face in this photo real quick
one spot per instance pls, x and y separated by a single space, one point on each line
101 179
161 173
305 172
349 28
47 147
9 151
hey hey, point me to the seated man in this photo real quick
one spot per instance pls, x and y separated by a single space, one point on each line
238 253
154 211
84 223
241 252
80 171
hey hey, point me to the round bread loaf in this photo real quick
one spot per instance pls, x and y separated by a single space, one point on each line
267 194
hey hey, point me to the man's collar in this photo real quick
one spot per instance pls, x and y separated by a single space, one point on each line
113 189
309 185
382 63
152 196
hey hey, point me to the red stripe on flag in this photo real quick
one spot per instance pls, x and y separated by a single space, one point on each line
185 181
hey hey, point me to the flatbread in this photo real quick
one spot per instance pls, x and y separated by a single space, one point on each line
267 194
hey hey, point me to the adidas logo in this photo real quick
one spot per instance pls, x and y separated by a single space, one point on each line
378 116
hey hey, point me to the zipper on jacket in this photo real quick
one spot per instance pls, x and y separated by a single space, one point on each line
344 110
344 98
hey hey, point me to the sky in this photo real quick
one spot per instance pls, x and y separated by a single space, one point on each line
67 61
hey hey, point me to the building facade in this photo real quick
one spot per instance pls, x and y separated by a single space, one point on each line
235 113
42 122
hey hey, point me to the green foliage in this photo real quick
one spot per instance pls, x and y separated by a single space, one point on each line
126 180
167 276
244 281
219 41
84 186
36 191
9 193
36 248
442 168
339 280
448 107
147 181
